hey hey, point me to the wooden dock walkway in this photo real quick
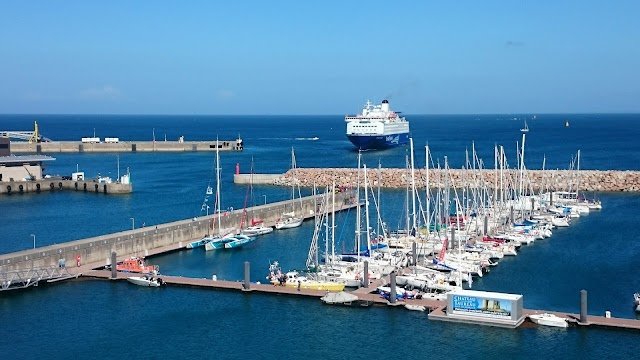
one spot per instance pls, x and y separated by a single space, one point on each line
434 307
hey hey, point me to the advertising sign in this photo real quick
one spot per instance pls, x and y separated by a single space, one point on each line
479 306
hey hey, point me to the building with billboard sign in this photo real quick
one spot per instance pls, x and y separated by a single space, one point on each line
482 307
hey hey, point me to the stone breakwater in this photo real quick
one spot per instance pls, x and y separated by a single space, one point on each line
555 180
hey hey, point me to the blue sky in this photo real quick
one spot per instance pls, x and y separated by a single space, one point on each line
319 57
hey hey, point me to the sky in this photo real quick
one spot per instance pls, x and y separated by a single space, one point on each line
319 57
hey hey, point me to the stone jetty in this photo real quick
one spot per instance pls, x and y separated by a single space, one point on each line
555 180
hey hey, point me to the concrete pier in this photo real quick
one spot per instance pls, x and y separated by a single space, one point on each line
124 146
163 237
36 186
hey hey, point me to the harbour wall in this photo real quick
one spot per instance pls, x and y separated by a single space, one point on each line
175 235
124 146
36 186
554 180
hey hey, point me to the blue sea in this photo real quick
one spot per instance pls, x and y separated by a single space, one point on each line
99 319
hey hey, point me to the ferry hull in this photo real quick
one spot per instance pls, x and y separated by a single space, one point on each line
365 142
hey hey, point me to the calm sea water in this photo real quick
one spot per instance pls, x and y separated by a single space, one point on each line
94 319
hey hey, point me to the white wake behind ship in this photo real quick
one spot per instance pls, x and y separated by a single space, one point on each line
377 127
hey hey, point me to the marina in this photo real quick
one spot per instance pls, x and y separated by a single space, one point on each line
172 266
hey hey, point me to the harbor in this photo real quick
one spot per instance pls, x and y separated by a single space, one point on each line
188 272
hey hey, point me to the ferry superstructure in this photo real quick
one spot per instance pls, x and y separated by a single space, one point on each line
377 127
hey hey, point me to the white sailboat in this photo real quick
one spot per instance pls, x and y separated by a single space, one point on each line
290 220
214 242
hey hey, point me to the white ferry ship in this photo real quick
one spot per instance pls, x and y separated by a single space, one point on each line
377 127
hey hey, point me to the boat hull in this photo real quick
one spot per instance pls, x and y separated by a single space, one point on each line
288 224
378 142
548 320
140 281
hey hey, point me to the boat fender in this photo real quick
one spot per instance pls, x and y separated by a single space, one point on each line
38 187
84 186
60 185
21 188
76 185
96 187
8 188
51 186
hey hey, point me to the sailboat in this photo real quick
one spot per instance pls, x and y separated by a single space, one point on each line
290 220
220 241
525 128
257 227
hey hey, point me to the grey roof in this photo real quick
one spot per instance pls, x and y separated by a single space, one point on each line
24 158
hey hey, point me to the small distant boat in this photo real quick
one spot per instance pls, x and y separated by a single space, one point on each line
311 138
148 281
209 190
525 128
344 298
566 124
413 307
547 319
636 302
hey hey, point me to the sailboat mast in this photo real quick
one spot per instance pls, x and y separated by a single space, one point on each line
578 176
366 209
358 209
522 168
501 176
428 197
379 185
333 223
413 189
218 199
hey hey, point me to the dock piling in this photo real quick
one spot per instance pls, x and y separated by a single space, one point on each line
392 285
512 218
486 225
533 205
366 274
247 277
414 249
583 306
114 265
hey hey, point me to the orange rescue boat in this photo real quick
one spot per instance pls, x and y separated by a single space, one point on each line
136 265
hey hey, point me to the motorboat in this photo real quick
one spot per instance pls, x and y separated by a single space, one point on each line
137 265
414 307
636 302
148 281
547 319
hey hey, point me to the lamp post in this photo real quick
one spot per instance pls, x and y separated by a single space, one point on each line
133 223
34 241
265 199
